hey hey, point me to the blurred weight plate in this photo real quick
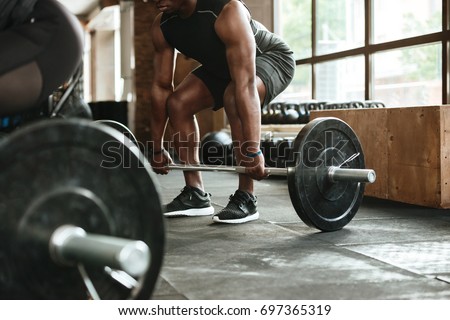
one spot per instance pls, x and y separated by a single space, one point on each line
59 172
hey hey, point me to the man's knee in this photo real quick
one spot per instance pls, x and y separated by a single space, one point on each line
176 107
172 104
179 107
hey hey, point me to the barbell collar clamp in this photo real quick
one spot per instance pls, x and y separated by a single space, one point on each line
71 245
337 174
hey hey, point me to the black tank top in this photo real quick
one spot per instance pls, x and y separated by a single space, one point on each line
196 37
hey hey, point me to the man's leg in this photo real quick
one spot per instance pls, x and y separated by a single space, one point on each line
190 97
245 182
242 205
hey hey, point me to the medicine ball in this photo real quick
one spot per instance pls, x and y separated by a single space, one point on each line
216 148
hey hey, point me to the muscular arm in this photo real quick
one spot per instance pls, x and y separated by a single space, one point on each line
162 85
233 28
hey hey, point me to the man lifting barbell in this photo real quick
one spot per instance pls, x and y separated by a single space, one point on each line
243 67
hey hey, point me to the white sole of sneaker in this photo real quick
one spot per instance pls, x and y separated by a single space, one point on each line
191 212
236 221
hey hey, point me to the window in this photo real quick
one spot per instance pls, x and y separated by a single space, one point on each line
341 79
340 25
294 25
399 19
393 51
301 85
409 76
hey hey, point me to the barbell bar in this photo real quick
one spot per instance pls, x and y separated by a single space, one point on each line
335 173
70 245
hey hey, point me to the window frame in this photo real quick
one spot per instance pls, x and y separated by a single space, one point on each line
370 48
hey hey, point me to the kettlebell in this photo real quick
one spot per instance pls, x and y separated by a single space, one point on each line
303 113
290 113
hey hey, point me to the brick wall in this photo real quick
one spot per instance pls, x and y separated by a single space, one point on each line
144 14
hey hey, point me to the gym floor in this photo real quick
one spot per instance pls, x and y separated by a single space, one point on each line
389 250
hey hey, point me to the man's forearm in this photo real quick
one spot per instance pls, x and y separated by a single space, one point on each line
250 116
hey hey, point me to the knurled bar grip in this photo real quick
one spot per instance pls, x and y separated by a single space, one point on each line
272 171
335 174
71 245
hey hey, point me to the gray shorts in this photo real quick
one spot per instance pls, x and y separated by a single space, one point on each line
275 69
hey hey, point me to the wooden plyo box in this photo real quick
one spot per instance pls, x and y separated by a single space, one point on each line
408 147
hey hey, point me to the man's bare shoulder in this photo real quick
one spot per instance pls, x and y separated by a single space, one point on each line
234 7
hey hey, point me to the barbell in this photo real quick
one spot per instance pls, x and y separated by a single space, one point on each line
332 173
327 178
80 214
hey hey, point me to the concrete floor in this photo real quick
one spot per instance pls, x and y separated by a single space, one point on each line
389 251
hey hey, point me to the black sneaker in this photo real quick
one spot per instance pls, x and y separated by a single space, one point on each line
241 208
191 202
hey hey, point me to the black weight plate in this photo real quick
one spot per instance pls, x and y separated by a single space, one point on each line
321 204
58 172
